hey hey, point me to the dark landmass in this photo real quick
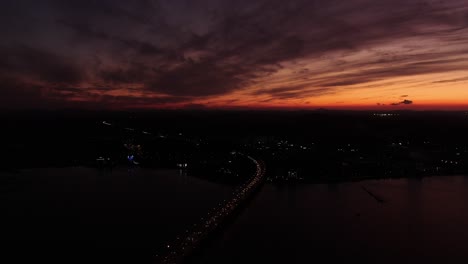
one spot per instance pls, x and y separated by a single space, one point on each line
297 146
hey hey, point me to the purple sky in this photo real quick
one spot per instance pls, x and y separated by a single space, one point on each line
219 53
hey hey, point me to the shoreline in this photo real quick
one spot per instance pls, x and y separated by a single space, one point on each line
278 183
360 179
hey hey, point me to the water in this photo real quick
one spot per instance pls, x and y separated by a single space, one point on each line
84 215
420 221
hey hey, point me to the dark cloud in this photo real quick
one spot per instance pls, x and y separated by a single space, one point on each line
197 79
464 79
180 51
404 102
298 91
126 74
194 106
28 62
85 32
14 93
379 74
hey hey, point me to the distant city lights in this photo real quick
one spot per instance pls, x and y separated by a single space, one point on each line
385 114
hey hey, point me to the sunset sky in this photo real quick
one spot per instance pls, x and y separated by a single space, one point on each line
296 54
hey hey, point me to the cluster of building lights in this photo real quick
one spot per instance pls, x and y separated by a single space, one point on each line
183 246
449 162
385 114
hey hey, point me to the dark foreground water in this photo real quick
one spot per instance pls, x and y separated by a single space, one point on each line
83 215
419 221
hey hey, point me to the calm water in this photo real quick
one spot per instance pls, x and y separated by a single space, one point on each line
421 221
83 215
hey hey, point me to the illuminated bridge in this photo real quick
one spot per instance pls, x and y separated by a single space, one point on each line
184 246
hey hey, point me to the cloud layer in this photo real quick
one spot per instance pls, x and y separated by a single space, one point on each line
160 53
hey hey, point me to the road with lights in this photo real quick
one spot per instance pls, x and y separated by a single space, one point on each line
183 246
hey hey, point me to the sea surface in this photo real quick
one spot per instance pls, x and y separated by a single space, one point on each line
87 215
373 221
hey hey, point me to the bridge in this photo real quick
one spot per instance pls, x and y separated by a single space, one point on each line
184 246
